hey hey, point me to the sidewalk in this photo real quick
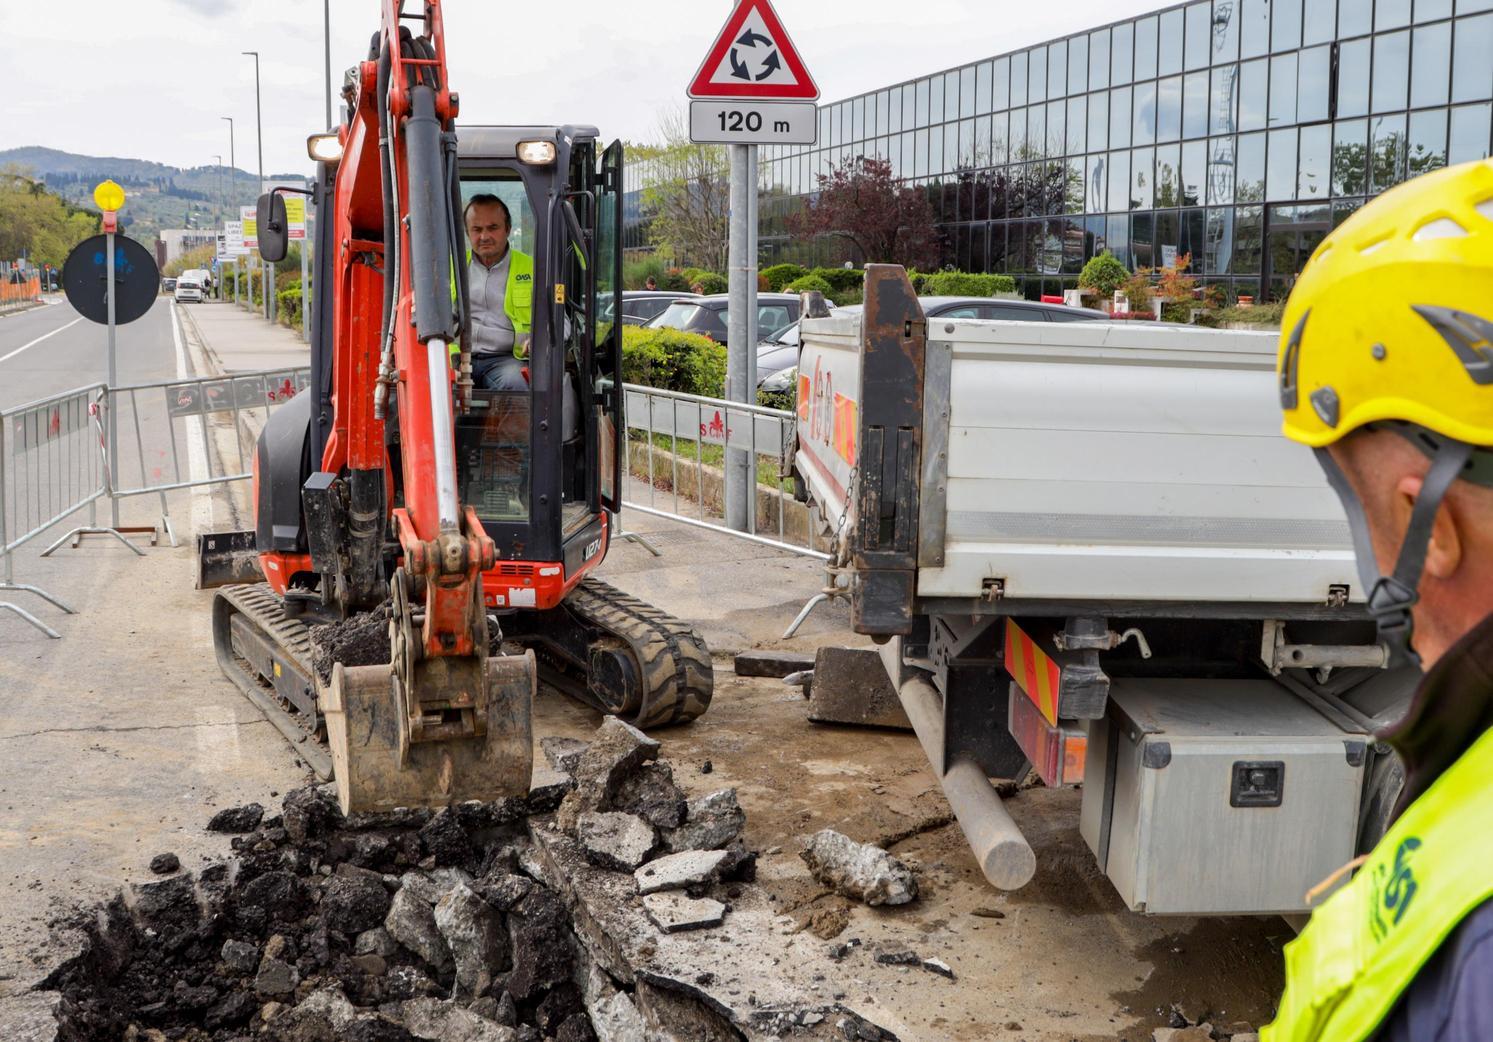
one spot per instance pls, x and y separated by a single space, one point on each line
239 341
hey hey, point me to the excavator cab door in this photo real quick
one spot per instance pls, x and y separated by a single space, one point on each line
606 363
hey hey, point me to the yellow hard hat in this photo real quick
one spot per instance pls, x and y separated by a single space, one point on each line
1392 318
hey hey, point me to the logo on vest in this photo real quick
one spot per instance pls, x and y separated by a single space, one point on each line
1394 888
523 277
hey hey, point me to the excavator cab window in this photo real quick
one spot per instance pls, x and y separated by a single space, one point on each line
494 457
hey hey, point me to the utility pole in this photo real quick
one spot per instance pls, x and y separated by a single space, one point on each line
326 36
232 163
264 275
233 211
741 340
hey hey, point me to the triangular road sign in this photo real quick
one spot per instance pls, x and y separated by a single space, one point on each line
753 58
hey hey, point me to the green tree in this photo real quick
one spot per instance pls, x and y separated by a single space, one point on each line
688 195
35 223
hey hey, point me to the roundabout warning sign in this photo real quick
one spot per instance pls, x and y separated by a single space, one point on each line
753 58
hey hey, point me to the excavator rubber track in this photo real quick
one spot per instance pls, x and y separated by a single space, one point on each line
269 657
622 656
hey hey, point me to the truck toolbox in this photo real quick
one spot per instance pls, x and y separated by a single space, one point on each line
1228 796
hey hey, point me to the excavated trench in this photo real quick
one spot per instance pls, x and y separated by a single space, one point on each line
513 921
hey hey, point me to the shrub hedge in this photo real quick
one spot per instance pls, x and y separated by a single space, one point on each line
779 275
809 283
1103 274
673 360
964 284
636 272
288 302
841 279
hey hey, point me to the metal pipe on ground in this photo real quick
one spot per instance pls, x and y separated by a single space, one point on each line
1004 855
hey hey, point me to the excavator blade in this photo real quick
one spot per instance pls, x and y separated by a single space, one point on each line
377 767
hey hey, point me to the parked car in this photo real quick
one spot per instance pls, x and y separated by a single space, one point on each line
188 290
708 315
203 277
168 285
1009 310
780 350
777 355
639 305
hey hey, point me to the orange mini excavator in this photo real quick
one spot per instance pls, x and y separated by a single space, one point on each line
470 518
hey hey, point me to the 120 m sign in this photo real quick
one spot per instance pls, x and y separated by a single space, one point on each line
753 123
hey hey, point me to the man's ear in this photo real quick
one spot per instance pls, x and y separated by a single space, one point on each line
1444 554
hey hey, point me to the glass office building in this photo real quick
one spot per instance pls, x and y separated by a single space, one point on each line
1234 131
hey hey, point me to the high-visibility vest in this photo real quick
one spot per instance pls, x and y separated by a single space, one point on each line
518 297
1367 942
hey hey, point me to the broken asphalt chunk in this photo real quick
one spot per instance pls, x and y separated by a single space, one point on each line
673 912
678 871
859 870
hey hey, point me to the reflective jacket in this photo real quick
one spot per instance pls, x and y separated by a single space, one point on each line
1367 946
518 297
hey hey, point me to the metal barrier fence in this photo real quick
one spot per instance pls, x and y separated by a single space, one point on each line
15 294
177 435
676 447
51 466
183 434
173 435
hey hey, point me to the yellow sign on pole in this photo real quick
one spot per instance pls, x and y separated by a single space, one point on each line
295 215
108 196
250 216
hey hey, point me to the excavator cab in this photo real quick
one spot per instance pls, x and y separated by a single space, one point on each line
563 193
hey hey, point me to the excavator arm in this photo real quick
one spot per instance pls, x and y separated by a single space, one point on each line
444 720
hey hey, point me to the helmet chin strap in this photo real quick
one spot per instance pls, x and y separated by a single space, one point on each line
1391 597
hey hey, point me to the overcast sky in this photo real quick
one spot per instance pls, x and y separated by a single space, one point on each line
149 79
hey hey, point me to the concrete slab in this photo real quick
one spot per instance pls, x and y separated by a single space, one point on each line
674 913
678 871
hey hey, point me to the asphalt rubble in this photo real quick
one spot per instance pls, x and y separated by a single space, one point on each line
606 905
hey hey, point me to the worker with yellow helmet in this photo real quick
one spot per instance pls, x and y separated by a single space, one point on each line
1386 371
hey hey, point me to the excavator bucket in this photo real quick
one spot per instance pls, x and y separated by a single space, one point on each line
378 767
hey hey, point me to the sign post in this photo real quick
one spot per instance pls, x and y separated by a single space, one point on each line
751 89
110 280
249 219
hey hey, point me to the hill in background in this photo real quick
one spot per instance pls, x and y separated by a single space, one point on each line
156 196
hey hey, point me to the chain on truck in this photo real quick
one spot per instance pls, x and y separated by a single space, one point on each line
1084 549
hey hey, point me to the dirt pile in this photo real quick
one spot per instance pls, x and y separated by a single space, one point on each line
380 928
362 640
595 908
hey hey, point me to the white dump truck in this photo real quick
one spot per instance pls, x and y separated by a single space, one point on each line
1085 547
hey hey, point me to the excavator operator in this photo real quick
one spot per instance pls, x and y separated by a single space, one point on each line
1386 371
501 286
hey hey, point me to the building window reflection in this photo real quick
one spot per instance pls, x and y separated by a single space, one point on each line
1236 131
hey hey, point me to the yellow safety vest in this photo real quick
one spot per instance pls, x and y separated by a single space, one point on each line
1365 945
518 296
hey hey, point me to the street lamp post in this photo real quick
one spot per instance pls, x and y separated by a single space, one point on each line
233 213
264 277
326 36
218 282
